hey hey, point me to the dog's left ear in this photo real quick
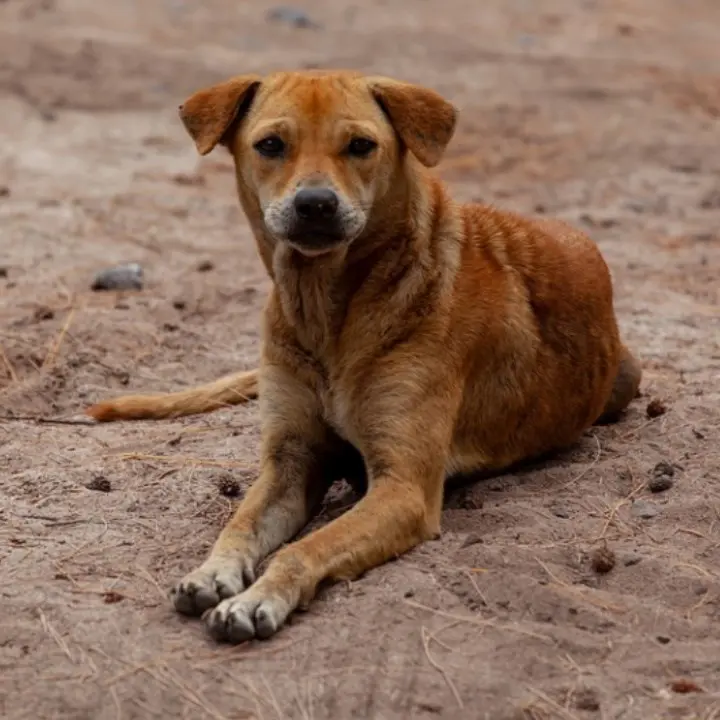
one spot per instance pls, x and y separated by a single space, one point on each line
423 119
208 114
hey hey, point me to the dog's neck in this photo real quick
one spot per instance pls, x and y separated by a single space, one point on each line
316 292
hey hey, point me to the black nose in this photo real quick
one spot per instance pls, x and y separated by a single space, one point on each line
316 204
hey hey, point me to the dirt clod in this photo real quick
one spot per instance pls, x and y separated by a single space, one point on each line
228 486
99 483
43 313
662 478
655 408
602 559
111 597
684 686
587 699
205 266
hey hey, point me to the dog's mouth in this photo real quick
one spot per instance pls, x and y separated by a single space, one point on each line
313 242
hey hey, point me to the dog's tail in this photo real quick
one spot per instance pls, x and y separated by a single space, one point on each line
230 390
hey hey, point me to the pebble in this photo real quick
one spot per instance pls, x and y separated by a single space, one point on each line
644 509
121 277
291 16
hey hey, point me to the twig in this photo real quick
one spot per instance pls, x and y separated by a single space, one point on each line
8 365
448 680
475 621
575 592
55 348
588 468
182 459
555 706
47 421
55 635
614 510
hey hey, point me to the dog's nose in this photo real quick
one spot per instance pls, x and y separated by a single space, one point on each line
316 204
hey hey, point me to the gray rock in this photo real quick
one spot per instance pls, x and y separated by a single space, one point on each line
121 277
644 509
291 16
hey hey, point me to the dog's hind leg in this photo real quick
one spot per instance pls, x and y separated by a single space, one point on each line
627 382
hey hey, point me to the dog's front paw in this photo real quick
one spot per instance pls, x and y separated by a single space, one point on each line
257 612
214 580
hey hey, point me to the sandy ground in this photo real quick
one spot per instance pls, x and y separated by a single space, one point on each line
601 112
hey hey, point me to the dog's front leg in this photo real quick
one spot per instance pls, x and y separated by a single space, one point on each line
406 468
297 468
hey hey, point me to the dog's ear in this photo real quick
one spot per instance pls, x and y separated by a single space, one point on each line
423 119
209 113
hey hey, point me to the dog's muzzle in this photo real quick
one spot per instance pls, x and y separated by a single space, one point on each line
316 224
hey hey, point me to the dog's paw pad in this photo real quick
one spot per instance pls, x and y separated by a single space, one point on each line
212 582
248 615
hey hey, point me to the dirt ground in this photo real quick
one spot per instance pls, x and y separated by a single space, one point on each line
605 113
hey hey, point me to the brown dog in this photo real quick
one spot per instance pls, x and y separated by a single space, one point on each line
406 337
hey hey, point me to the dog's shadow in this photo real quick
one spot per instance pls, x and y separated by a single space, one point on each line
463 491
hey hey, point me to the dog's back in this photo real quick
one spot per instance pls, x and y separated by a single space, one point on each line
543 351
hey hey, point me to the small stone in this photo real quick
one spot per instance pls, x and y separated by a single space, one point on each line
587 699
655 408
663 639
4 191
179 304
644 510
121 277
472 539
4 272
291 16
170 327
602 560
205 266
409 593
228 486
99 483
468 502
631 560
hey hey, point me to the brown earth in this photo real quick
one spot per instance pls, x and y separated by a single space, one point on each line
601 112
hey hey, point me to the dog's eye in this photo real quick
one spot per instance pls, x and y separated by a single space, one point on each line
361 147
271 146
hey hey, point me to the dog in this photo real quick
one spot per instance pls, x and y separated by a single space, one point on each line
407 338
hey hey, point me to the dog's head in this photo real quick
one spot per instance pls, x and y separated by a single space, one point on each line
319 151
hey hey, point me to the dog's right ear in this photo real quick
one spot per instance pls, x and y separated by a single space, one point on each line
208 114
